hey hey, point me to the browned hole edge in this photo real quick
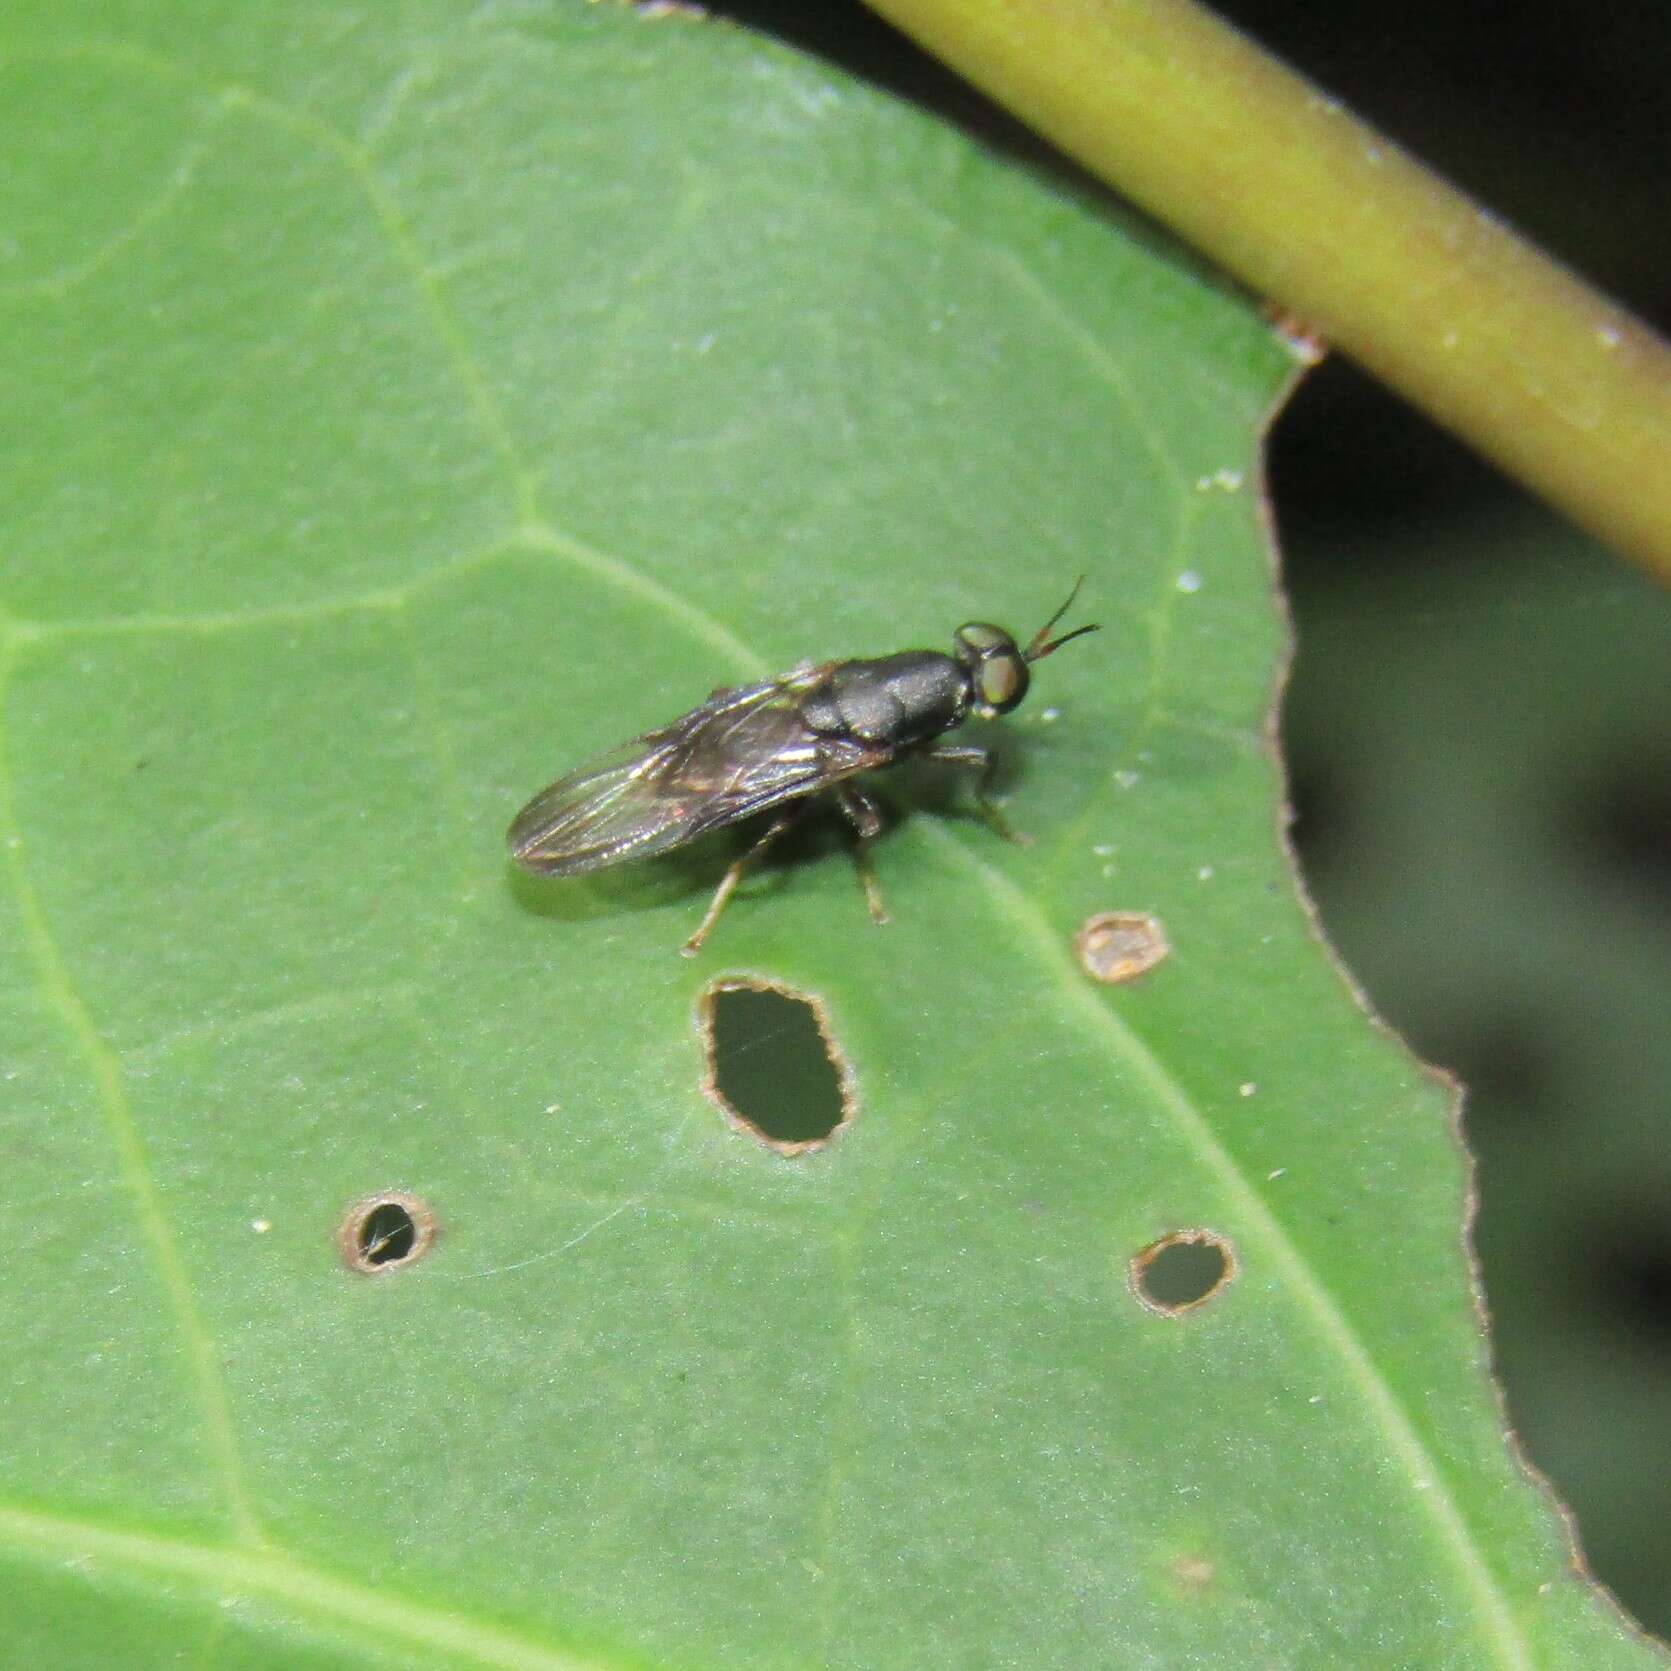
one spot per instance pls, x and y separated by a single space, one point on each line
826 1031
1156 952
1192 1573
1146 1256
425 1227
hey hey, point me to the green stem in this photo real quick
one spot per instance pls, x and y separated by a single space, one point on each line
1313 209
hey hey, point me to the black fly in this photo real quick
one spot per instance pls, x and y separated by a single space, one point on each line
752 748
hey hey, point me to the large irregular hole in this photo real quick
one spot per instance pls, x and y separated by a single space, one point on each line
1182 1271
771 1063
386 1232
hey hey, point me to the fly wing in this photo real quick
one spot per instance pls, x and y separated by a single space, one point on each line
606 811
743 751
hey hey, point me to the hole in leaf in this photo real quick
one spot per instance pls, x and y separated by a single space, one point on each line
772 1065
1117 946
1182 1271
386 1232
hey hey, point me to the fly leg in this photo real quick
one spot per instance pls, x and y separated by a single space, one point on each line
865 817
984 763
739 868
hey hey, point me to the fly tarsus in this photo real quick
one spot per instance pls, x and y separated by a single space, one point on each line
866 818
739 868
984 763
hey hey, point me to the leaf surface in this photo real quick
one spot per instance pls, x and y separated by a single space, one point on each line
402 405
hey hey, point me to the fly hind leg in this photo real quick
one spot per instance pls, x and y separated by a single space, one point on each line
739 869
865 817
983 763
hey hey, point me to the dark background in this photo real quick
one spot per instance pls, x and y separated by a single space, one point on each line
1478 725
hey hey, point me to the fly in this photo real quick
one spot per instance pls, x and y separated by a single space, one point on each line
772 746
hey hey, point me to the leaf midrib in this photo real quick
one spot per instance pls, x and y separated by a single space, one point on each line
307 1591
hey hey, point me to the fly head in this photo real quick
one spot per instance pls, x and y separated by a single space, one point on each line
998 668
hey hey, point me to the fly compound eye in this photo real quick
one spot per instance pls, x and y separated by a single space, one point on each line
976 641
998 675
1002 680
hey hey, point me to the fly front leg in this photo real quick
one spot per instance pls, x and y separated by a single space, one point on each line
728 882
983 763
865 817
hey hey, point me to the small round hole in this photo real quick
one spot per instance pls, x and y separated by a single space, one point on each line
1117 946
386 1232
1182 1271
771 1063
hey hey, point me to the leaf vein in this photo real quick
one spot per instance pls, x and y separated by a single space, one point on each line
269 1574
1425 1476
105 1069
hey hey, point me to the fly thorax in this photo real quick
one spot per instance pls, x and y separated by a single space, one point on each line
894 701
821 709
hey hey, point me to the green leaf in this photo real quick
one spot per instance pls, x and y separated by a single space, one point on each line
401 406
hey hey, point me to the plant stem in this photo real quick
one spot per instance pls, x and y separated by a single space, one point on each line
1312 208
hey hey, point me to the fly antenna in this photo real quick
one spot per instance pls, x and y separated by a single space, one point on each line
1042 644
